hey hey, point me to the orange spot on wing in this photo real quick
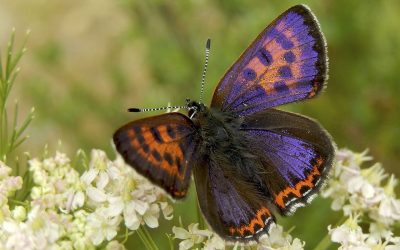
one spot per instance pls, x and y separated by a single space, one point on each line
256 221
180 193
279 198
164 134
316 86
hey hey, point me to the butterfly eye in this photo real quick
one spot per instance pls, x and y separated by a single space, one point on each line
192 111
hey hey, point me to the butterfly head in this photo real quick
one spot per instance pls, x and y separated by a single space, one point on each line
194 107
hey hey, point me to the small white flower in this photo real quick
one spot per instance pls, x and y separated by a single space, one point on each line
132 221
42 226
78 200
393 243
277 239
19 236
378 231
191 236
96 194
19 213
214 243
115 206
390 208
167 210
61 159
150 217
89 176
4 170
10 184
102 227
115 245
99 167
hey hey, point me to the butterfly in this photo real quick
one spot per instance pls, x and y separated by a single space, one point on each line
249 160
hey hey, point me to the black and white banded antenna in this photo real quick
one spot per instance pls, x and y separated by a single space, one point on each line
203 77
136 110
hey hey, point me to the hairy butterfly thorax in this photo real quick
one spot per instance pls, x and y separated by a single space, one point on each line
216 129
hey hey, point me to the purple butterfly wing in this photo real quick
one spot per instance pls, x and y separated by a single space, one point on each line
297 154
234 208
286 63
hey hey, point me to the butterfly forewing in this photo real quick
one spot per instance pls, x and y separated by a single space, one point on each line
297 154
161 148
286 63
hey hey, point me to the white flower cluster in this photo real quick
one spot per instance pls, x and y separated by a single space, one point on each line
364 195
206 239
69 211
66 210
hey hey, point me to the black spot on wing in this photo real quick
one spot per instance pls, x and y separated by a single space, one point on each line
280 87
284 42
137 129
179 164
139 137
171 132
264 56
289 57
168 158
249 74
285 71
156 135
145 147
156 155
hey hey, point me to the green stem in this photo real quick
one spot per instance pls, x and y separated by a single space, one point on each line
25 204
126 236
145 237
8 74
154 245
200 218
2 140
326 242
170 241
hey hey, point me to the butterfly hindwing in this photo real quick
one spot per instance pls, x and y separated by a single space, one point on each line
297 154
235 209
286 63
162 148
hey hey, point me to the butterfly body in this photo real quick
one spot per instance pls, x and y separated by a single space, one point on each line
221 140
216 130
249 160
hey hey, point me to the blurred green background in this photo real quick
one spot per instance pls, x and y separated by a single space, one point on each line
88 61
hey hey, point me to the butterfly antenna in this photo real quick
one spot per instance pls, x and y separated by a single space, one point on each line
203 78
137 110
